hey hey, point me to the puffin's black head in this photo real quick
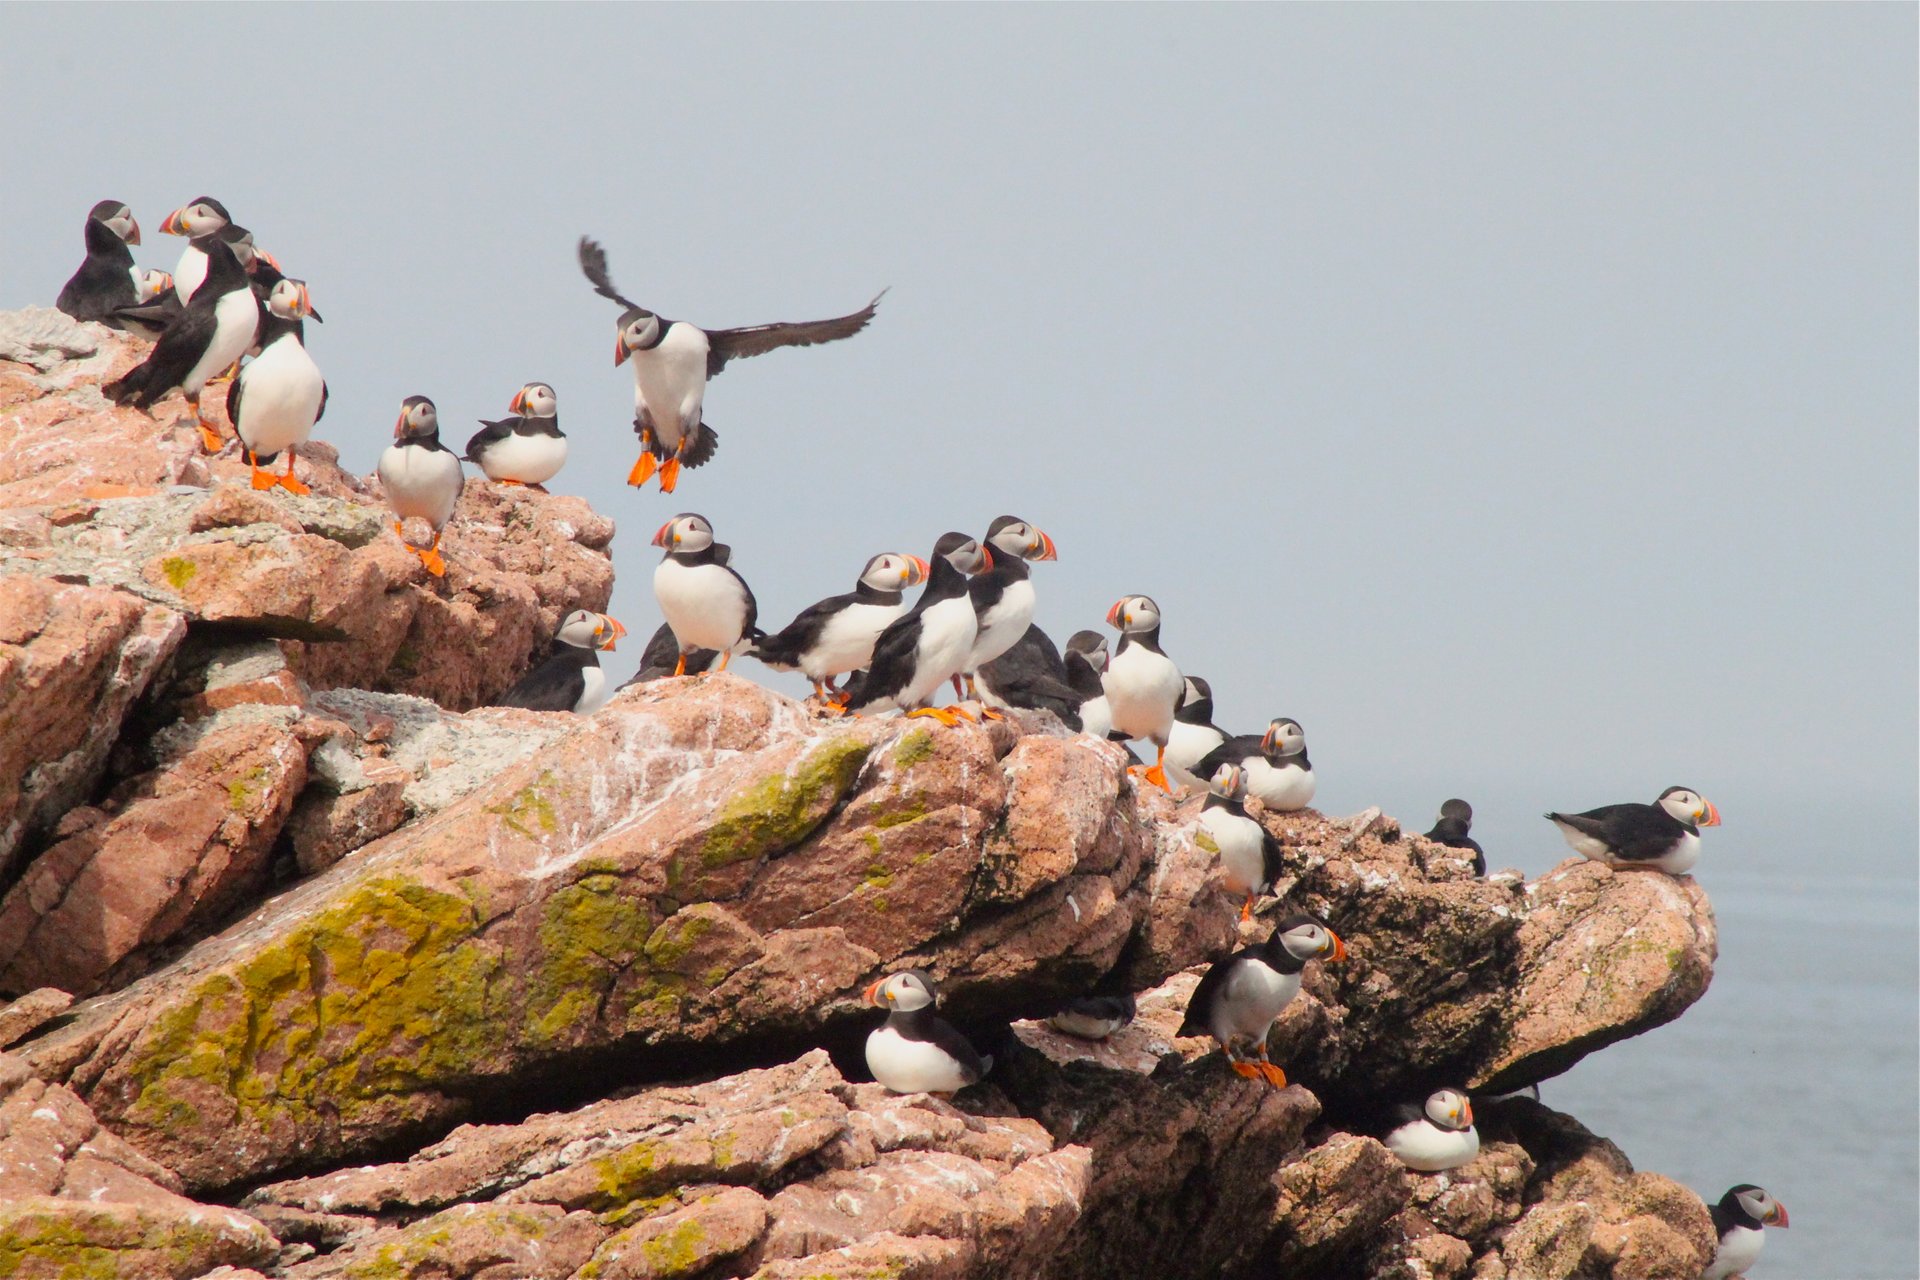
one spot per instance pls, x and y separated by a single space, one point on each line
1197 706
1689 806
1015 537
1458 812
1305 936
419 419
687 532
1090 645
1284 737
1449 1109
1134 615
534 400
894 571
201 218
906 991
639 331
963 553
1753 1202
584 629
117 217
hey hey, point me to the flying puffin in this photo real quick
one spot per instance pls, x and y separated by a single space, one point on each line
930 643
106 279
1435 1137
1740 1220
421 477
204 222
1032 676
1194 735
836 635
527 448
569 677
1239 998
1279 775
1664 835
914 1050
210 335
672 362
1095 1017
155 305
1086 664
276 400
1143 686
1003 595
1451 828
707 603
1249 853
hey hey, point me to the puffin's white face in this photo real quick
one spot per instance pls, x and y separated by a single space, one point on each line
1095 653
639 330
418 417
121 223
197 219
903 991
1757 1202
1283 737
1309 940
688 532
1194 693
248 256
970 557
1689 806
1450 1109
289 300
1134 615
894 571
1024 540
587 630
535 400
1230 780
149 284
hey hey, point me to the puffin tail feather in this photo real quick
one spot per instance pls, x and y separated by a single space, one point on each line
705 441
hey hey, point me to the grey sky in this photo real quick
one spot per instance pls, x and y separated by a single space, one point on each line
1523 398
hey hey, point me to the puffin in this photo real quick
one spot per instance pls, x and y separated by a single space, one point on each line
914 1050
155 305
673 361
569 677
1248 851
1086 660
706 602
662 657
106 280
930 643
835 636
1434 1137
1740 1220
210 335
1451 828
1194 735
1664 835
1279 775
1031 676
204 222
421 477
1239 998
1095 1017
276 400
1003 595
527 448
266 274
1143 686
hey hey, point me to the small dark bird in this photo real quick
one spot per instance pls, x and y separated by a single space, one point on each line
1451 828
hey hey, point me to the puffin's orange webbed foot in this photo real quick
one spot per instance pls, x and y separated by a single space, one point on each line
1246 909
261 479
436 564
643 469
286 481
990 713
944 715
1158 777
669 474
210 440
1251 1070
1273 1075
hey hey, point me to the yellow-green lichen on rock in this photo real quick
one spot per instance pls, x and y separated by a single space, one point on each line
433 1246
43 1238
782 809
590 933
528 811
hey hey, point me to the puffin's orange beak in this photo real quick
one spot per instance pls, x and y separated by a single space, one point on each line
1266 743
176 223
1339 947
1047 549
268 258
614 631
986 557
919 571
400 427
1777 1217
1712 819
660 538
519 402
619 349
1113 614
134 238
872 995
1466 1111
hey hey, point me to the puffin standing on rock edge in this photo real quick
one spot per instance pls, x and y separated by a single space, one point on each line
421 477
1086 661
1031 676
707 604
276 400
1193 735
1740 1220
1435 1137
107 279
930 643
569 677
1240 998
914 1050
835 636
1143 687
1249 853
213 332
1664 835
1003 595
526 449
1279 775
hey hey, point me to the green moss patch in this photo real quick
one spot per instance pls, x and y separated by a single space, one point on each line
178 571
913 748
528 811
780 811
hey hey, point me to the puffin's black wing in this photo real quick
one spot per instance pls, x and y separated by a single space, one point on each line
949 1041
154 315
323 398
737 344
489 433
1635 832
104 281
1479 854
1031 675
555 684
1118 1008
233 398
1272 857
784 647
1723 1217
1232 751
747 628
662 654
1398 1114
1200 1006
172 357
593 261
892 663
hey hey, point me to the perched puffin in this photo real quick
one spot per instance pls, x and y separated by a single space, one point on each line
662 658
914 1051
106 279
1240 997
210 335
421 477
204 223
1003 595
707 603
1143 686
930 643
1279 775
569 677
1435 1137
266 276
276 400
1451 828
1248 852
1740 1220
527 448
1194 735
1032 676
1086 666
1664 835
836 635
672 361
155 305
1095 1017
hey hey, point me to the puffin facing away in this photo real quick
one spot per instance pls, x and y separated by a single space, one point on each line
672 361
707 603
914 1050
1239 999
527 448
569 677
1031 675
1003 595
276 400
1438 1136
1193 735
1144 688
1664 835
836 635
1279 775
155 305
1740 1220
105 281
662 658
1086 660
1451 828
930 643
212 333
1249 854
421 477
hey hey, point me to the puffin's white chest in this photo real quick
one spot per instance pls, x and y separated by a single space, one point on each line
1424 1145
1143 687
1187 745
1282 788
912 1066
235 317
1002 625
530 459
1249 1001
1739 1250
1096 718
594 695
1241 842
280 394
421 482
670 381
189 272
703 604
1085 1026
1680 858
846 641
947 632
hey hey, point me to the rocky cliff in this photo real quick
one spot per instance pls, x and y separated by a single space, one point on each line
375 984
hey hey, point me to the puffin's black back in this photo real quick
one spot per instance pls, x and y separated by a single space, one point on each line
185 341
1634 832
893 652
1032 675
104 282
555 683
